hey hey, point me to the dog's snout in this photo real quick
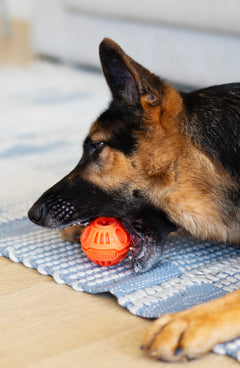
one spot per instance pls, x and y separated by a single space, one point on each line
37 213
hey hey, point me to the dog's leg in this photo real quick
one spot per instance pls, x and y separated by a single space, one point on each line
72 233
194 332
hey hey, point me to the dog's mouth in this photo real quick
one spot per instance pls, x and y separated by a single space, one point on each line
60 214
144 253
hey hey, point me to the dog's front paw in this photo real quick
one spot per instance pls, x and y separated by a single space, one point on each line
72 233
194 332
174 337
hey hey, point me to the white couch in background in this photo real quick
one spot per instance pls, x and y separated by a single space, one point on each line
195 42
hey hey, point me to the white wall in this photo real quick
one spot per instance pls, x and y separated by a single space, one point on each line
20 9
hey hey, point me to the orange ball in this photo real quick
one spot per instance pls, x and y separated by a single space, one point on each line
105 241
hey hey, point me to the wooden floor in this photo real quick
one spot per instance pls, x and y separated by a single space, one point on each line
43 324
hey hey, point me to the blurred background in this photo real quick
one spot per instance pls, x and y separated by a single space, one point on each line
193 43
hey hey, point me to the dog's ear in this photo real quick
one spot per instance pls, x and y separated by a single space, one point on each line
127 79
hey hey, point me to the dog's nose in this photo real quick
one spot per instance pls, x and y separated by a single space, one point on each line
37 213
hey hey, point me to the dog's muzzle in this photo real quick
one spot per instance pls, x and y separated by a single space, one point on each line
73 202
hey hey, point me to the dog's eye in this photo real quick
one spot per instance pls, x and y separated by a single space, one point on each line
98 146
91 150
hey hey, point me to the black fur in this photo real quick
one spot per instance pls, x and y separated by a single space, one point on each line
121 123
213 123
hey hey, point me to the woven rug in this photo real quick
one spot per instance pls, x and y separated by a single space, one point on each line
45 113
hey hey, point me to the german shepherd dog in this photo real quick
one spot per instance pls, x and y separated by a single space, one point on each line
160 160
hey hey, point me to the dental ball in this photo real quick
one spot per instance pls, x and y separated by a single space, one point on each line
105 241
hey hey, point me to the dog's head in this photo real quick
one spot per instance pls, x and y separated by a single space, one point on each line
123 171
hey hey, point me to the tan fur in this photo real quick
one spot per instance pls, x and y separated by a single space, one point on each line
194 331
189 189
183 181
97 134
72 233
111 172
